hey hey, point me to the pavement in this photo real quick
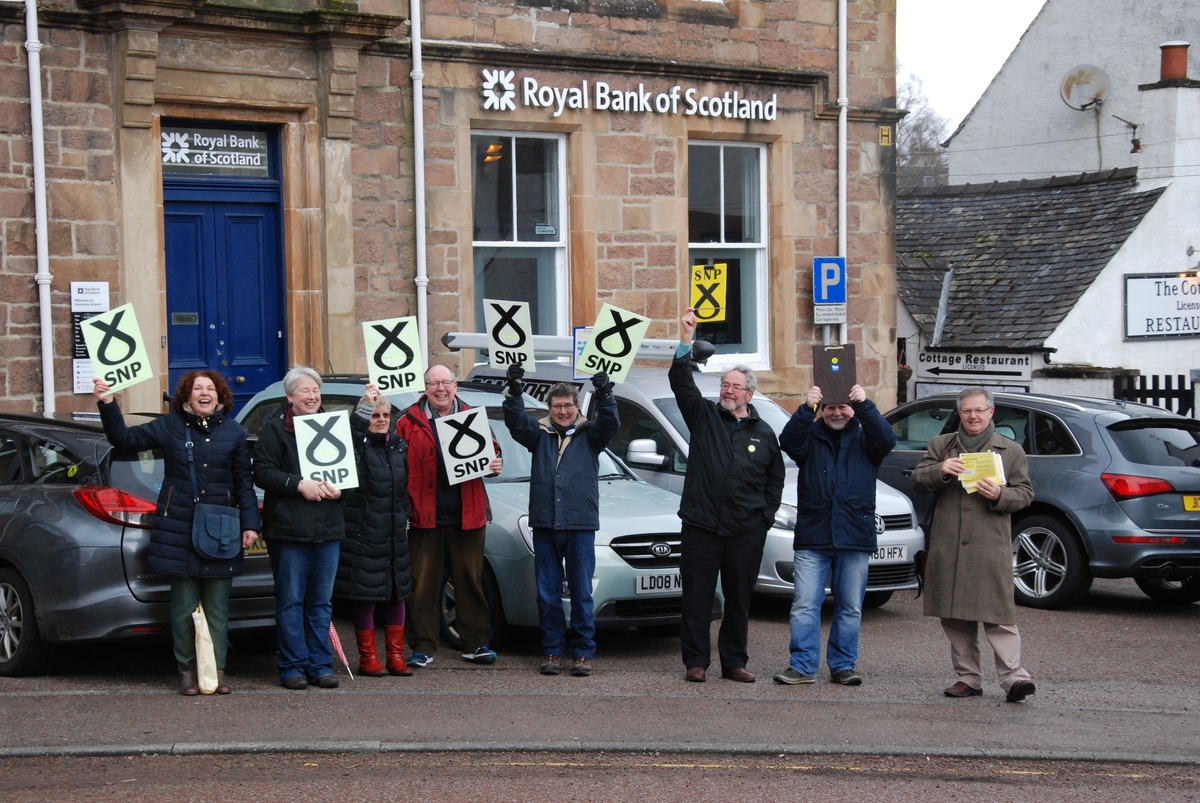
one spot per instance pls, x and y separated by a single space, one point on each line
1117 681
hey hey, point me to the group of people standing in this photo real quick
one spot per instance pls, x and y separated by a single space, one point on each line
734 487
385 545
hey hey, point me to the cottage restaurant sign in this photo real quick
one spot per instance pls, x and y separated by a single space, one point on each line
500 93
1162 305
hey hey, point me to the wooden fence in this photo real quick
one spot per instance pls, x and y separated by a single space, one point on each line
1178 396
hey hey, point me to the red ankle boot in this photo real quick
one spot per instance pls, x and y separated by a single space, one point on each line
368 657
395 651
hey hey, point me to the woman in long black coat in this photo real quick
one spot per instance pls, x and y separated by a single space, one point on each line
374 569
200 414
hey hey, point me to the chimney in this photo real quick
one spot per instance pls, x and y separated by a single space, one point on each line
1174 61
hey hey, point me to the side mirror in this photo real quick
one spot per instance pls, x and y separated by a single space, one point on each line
644 452
701 351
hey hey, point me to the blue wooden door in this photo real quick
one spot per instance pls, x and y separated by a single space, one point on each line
224 283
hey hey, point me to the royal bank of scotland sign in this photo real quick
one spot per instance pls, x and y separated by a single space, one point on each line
506 91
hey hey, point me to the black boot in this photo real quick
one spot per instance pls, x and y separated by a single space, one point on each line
188 684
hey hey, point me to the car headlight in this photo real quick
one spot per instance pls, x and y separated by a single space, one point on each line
526 532
785 517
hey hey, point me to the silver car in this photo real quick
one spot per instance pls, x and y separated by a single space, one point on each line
653 440
636 583
73 542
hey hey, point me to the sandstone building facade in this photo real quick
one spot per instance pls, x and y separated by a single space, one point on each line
244 175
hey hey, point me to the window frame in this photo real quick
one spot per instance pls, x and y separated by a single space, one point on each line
760 358
562 279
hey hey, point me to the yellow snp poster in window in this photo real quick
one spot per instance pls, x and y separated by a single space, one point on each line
978 466
708 291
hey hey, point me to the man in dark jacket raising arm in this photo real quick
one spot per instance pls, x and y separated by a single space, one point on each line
564 508
838 452
733 487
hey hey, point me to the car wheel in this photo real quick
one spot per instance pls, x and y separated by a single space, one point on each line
491 592
876 599
1050 568
21 648
1183 591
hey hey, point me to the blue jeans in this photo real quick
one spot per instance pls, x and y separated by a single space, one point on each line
304 574
849 584
578 548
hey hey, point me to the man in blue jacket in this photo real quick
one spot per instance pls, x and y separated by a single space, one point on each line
838 453
564 509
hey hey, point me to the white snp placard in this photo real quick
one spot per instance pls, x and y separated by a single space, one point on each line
613 343
114 343
326 448
393 353
510 334
467 448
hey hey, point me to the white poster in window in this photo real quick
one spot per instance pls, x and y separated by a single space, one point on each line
467 448
510 333
393 353
613 344
326 448
114 342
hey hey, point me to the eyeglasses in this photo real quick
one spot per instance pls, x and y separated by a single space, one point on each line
558 408
974 411
734 388
381 415
441 383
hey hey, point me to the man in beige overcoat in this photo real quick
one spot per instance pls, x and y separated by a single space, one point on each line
969 577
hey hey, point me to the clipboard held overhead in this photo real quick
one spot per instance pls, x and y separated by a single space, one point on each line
835 372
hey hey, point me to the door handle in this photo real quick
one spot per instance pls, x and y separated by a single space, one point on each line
906 472
241 380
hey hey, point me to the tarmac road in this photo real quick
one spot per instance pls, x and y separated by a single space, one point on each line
1117 681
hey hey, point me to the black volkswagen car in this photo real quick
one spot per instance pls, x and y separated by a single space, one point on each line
1116 491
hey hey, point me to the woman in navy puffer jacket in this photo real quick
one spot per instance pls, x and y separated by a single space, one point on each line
200 414
374 569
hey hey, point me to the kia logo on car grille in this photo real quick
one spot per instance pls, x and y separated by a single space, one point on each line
879 525
660 549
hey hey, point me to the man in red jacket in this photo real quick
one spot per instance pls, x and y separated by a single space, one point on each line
448 524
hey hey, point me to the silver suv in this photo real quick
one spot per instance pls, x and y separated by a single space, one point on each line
1116 491
653 440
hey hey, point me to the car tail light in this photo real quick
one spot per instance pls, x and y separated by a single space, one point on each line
114 505
1158 540
1127 486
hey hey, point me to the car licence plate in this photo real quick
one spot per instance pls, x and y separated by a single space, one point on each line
663 583
1191 503
896 553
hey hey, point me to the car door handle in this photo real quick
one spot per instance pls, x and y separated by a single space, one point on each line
906 472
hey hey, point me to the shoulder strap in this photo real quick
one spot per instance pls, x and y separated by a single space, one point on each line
191 463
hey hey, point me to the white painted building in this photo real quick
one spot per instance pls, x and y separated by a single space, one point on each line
1139 308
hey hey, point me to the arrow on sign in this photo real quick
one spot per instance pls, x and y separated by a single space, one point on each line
938 370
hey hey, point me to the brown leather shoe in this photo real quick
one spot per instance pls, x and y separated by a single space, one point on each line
223 686
738 673
189 685
695 674
961 689
1020 690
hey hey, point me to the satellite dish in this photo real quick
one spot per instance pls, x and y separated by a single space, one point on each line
1085 86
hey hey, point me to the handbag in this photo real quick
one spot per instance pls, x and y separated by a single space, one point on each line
206 656
216 529
921 558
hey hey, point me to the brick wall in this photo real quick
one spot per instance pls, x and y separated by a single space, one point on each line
81 200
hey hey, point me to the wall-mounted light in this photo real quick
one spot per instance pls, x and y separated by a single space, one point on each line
494 152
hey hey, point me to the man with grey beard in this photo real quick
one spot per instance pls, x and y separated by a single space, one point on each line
838 452
733 487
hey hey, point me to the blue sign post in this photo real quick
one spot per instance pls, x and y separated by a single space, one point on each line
829 290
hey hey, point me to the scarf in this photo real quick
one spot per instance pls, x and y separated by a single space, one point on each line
975 443
203 423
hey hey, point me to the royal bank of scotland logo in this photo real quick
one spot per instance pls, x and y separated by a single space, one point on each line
499 92
175 147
